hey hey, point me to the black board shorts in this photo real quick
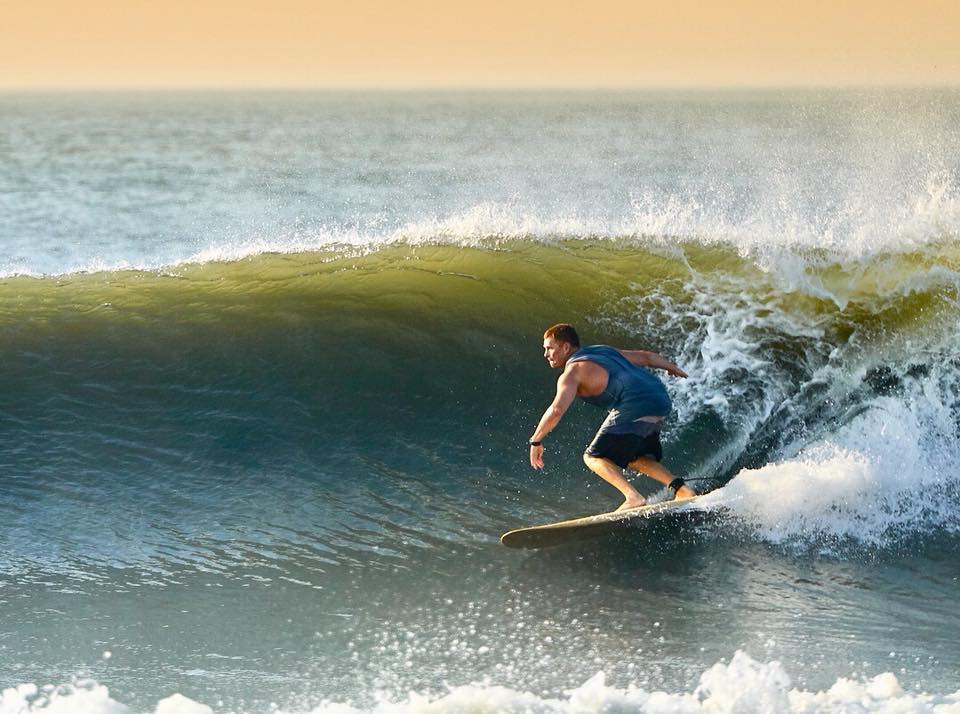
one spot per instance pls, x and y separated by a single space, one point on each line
621 449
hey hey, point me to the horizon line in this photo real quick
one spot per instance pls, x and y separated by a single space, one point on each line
451 88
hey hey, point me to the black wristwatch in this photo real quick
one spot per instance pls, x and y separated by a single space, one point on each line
535 443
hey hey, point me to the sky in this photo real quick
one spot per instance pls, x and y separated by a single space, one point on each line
353 44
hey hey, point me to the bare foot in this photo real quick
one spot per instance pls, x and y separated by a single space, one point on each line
685 492
632 503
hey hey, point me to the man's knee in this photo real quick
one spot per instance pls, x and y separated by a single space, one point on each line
594 462
599 464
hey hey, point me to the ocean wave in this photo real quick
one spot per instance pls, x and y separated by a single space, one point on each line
786 387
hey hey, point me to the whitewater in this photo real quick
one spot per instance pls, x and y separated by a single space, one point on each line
270 361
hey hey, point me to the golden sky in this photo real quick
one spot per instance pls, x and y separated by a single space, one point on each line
522 43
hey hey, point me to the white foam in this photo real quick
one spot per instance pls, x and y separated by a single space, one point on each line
890 472
179 704
82 697
742 685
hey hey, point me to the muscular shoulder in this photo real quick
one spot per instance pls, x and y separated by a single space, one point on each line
585 365
589 377
580 367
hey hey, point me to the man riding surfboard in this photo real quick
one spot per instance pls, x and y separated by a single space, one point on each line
637 401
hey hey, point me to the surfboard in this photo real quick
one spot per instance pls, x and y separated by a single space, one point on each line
590 526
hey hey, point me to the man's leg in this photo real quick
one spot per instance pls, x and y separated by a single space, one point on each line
658 472
613 474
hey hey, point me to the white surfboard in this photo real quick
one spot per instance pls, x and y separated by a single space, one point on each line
578 528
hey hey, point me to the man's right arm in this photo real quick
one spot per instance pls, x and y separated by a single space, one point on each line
566 393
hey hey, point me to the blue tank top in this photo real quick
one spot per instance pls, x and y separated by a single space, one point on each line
632 392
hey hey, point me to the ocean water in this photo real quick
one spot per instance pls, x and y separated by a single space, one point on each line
269 361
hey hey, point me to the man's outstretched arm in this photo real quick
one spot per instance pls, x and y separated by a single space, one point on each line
566 393
642 358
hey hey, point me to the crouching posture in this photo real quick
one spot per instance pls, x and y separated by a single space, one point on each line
637 401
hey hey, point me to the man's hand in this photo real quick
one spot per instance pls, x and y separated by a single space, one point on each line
536 456
566 393
676 371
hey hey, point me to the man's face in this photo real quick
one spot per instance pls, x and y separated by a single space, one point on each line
556 352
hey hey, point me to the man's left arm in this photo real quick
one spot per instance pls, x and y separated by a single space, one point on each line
642 358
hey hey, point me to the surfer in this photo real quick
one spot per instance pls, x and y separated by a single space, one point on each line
613 379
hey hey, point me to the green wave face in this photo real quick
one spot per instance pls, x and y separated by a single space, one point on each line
580 275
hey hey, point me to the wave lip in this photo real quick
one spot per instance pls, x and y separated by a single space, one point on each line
772 233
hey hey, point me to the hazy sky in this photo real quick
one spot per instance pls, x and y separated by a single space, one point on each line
521 43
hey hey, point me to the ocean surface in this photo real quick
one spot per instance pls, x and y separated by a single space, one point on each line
269 361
